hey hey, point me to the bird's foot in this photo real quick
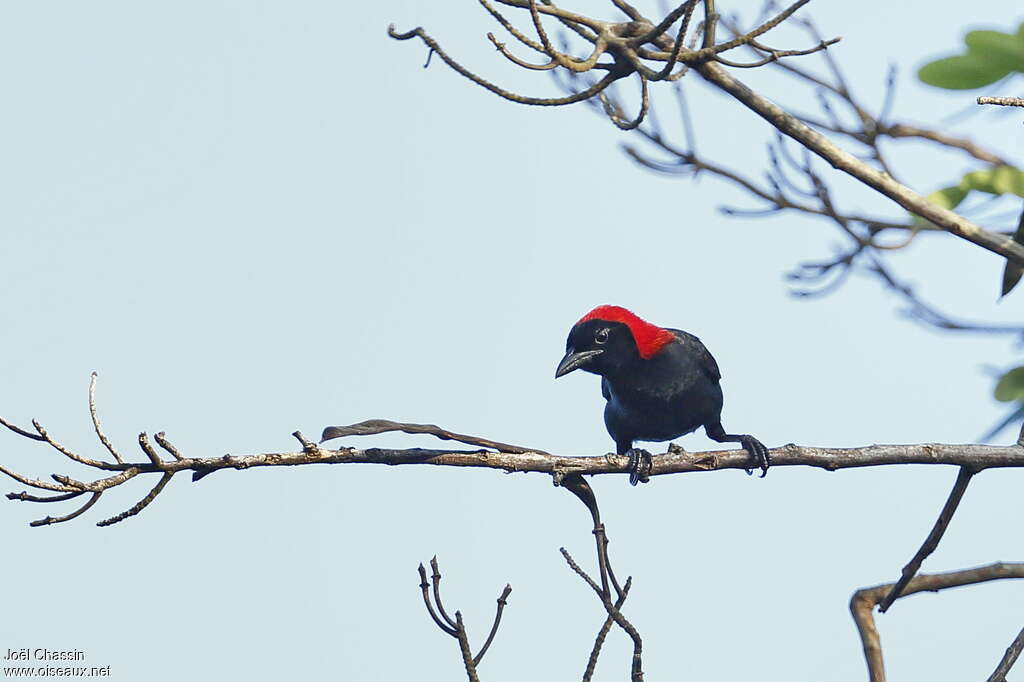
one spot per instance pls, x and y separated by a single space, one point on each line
759 452
674 449
640 464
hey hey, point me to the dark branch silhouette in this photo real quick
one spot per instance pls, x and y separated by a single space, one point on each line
864 601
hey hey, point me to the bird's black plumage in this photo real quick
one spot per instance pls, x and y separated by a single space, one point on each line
659 383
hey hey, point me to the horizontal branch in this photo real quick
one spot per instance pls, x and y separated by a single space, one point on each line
489 454
974 456
1003 101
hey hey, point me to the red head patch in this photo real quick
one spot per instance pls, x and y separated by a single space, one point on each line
649 338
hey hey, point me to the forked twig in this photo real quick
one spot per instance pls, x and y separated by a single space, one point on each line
457 628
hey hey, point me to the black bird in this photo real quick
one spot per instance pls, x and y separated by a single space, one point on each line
659 383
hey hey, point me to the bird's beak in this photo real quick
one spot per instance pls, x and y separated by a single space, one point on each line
574 360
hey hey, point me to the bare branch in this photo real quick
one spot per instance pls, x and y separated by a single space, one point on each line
20 431
25 497
501 92
846 162
864 600
1009 658
425 589
457 628
435 579
904 130
49 520
141 504
467 654
567 471
96 421
931 543
68 453
148 449
161 440
602 634
502 602
1002 101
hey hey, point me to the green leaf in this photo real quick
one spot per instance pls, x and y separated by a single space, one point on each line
1012 272
1008 180
949 197
1011 386
998 180
1011 276
962 72
998 50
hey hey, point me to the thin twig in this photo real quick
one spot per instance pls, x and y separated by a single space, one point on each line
141 504
425 589
1009 658
96 421
20 431
502 602
931 543
23 496
68 453
1002 101
161 440
602 634
149 451
50 520
435 578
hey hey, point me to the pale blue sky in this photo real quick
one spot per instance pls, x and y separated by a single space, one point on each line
257 217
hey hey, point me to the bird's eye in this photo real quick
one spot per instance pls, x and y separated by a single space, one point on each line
602 335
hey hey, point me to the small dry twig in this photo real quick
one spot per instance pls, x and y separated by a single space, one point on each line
456 627
1002 101
1009 658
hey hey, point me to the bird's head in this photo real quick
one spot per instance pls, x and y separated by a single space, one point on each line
609 338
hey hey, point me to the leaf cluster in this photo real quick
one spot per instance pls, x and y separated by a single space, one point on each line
990 56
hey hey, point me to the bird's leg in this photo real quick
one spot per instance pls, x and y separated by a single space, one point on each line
640 464
752 445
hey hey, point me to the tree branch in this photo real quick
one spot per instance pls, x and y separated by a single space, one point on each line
564 470
932 541
864 600
842 160
1002 101
1009 658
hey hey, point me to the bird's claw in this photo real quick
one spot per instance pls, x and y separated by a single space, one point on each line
674 449
640 465
759 452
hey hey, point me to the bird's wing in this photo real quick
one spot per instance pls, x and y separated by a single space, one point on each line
701 354
604 389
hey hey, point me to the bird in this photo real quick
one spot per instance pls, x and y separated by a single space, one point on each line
659 384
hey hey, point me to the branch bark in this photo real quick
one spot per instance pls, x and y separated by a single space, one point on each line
842 160
864 601
675 461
